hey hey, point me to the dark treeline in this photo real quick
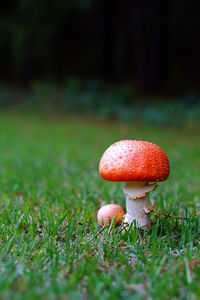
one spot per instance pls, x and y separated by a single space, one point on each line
147 42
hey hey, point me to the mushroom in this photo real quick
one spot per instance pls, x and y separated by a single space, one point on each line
109 211
140 164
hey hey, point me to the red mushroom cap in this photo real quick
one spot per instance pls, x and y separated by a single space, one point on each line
132 160
109 211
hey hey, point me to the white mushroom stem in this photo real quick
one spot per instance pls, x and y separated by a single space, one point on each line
136 202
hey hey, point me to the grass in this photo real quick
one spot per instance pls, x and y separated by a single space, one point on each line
51 246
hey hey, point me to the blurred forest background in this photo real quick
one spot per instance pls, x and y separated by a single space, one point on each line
100 51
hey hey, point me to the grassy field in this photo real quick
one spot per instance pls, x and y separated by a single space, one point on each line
51 246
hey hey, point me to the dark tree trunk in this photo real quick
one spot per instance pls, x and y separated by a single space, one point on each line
150 37
104 15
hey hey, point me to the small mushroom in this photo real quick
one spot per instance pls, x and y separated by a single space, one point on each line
108 212
138 163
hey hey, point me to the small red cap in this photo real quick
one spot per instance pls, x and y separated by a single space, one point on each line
109 211
132 160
